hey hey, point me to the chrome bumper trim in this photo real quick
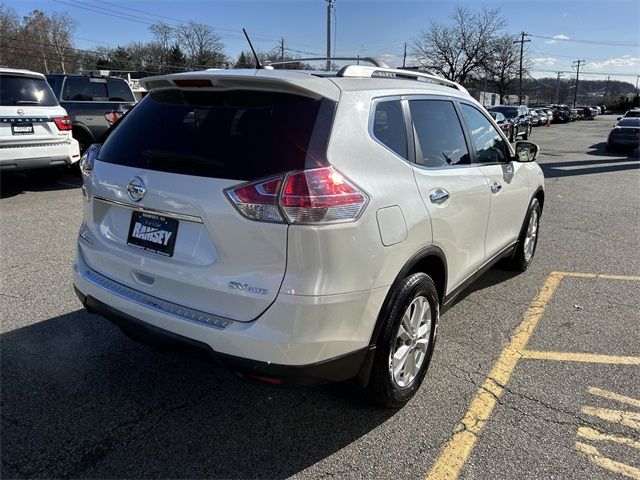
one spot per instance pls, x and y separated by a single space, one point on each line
164 213
154 303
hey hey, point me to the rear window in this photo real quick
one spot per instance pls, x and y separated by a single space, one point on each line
87 89
239 135
629 122
16 90
508 112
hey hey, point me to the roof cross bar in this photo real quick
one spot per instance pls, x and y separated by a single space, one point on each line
374 61
366 71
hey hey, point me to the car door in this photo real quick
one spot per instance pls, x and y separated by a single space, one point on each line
454 191
507 180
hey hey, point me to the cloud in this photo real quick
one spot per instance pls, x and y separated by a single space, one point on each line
624 61
556 38
549 61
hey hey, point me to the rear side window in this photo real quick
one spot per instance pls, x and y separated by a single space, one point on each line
389 127
239 135
17 90
119 90
438 134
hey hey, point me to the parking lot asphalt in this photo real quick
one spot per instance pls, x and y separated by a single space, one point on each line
80 400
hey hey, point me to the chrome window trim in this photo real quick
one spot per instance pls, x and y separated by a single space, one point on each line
156 304
164 213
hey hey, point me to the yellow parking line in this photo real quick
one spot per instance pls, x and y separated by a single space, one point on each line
597 458
579 357
628 419
614 396
595 435
457 449
603 276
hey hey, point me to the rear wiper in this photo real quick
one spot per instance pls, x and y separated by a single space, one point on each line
166 157
27 102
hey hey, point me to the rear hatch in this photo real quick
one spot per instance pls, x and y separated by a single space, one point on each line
183 240
29 112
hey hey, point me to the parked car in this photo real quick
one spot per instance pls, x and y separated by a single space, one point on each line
562 114
573 115
626 134
35 131
244 223
542 116
93 101
588 113
504 124
519 118
634 112
595 111
535 119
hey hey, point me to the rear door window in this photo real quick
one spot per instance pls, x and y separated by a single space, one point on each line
241 135
16 90
389 127
85 89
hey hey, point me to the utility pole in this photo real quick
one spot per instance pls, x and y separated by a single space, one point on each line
404 58
606 90
282 49
557 96
329 8
521 42
575 93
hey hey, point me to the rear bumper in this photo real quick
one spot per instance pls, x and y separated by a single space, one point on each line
45 155
335 369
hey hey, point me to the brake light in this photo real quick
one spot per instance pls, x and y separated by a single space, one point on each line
320 195
113 116
63 123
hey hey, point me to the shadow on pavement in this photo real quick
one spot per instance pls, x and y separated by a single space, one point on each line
12 184
615 162
79 399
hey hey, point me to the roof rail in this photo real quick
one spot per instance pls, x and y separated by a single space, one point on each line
366 71
374 61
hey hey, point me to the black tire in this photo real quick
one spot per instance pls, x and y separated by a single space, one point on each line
511 138
383 389
520 260
45 176
84 140
527 133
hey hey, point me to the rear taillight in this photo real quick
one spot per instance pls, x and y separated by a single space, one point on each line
113 116
63 123
321 195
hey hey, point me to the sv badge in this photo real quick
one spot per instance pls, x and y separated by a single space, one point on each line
247 288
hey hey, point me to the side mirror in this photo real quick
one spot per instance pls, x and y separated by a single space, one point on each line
89 158
526 151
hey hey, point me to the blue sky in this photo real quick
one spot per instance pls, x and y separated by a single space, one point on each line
376 28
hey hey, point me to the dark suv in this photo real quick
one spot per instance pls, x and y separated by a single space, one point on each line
519 117
561 113
94 103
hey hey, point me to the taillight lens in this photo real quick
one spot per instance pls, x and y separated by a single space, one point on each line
63 123
113 116
321 195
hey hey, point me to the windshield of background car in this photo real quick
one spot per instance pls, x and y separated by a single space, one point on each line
509 112
16 90
629 122
238 134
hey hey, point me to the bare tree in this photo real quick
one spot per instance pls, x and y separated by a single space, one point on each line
502 63
59 34
9 28
163 35
203 46
458 49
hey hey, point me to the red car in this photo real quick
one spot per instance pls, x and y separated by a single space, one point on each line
504 124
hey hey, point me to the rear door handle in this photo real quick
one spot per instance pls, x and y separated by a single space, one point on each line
496 186
439 195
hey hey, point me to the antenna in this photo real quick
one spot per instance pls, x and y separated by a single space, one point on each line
255 55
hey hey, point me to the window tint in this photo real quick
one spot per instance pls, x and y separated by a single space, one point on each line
389 126
119 90
438 135
489 144
18 90
84 89
240 135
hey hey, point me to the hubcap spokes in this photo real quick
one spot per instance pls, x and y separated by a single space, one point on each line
412 341
532 235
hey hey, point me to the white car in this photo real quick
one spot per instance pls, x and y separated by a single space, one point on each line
300 227
35 131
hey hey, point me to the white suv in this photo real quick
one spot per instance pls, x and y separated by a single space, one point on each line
35 131
302 227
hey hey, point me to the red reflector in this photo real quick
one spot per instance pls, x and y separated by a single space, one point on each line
113 116
63 123
193 82
265 379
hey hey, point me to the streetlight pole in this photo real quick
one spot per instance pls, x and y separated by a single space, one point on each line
329 8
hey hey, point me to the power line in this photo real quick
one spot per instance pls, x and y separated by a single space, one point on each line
590 42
